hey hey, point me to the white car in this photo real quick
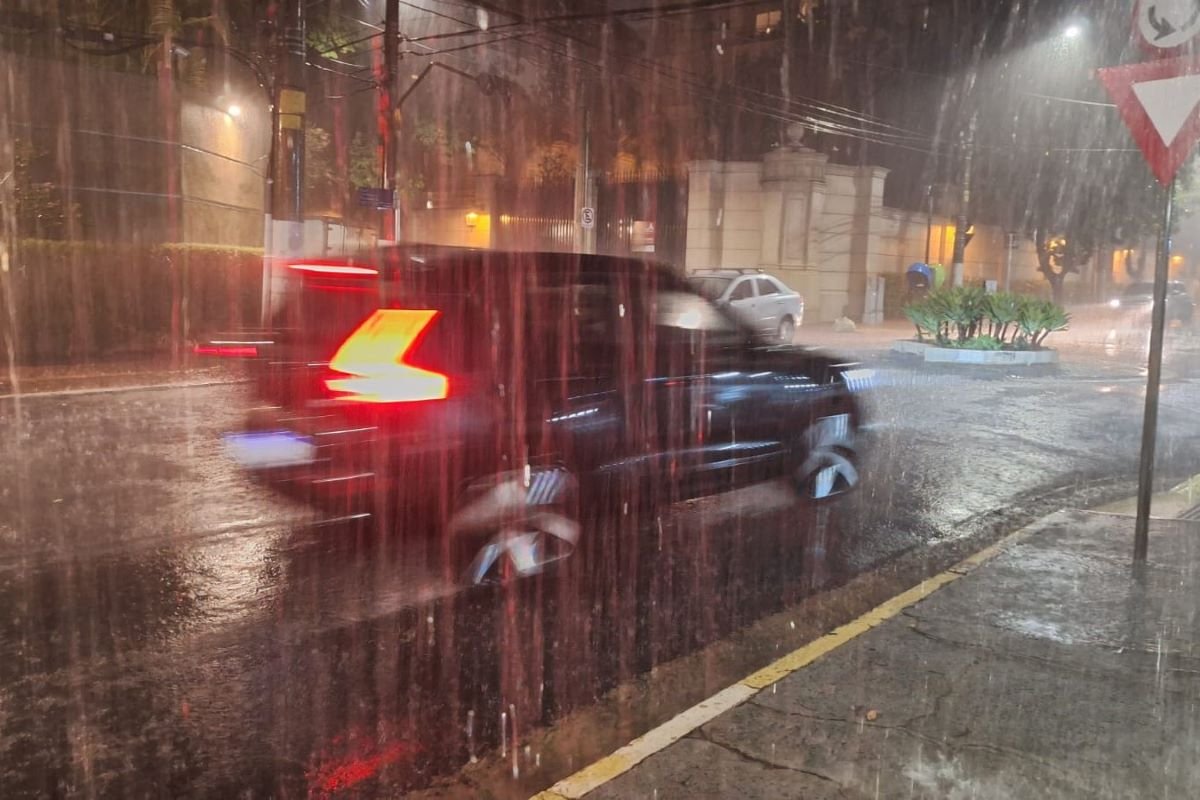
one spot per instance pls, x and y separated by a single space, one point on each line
762 301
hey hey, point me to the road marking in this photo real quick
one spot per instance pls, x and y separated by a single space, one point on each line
142 387
641 748
626 758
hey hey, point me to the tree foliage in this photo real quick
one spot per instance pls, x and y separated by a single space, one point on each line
41 212
1055 161
329 182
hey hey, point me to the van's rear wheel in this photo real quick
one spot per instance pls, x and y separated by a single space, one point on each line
515 525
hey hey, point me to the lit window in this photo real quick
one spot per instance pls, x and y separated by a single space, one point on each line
767 21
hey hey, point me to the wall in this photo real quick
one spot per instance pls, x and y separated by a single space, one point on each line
824 230
985 256
109 140
95 132
449 226
223 162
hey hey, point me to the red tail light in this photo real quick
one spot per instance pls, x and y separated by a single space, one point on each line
226 350
371 361
333 268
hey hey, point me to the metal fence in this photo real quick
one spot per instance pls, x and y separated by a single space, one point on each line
537 217
642 214
627 203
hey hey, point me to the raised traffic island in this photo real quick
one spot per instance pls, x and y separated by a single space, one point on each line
932 354
965 325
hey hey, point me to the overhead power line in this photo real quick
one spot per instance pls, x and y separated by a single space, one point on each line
831 118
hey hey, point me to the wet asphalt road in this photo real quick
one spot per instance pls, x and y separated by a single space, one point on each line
168 628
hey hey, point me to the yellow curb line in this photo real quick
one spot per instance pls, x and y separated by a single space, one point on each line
626 758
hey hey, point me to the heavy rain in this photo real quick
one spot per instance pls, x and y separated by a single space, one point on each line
607 398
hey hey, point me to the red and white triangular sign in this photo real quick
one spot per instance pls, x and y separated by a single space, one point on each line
1160 103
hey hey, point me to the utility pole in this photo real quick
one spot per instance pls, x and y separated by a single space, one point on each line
388 230
961 222
284 234
1010 242
1158 324
585 238
928 223
785 67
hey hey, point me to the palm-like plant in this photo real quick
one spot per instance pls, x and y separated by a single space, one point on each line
958 315
1051 317
1002 310
926 322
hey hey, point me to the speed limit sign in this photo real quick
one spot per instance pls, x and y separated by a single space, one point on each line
587 217
1166 26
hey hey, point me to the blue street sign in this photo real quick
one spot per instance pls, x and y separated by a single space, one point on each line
377 198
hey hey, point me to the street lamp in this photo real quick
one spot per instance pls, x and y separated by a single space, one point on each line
234 110
1072 31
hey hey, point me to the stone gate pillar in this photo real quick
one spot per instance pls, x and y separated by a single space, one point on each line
793 200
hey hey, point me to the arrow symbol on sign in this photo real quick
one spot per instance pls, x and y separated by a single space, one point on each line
1163 27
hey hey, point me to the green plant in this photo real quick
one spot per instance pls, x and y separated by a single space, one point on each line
1038 319
983 342
1002 310
968 307
926 321
968 317
77 301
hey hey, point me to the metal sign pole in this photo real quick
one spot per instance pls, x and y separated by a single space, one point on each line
1154 374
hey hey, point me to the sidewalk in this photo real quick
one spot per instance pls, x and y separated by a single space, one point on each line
864 337
117 375
1048 671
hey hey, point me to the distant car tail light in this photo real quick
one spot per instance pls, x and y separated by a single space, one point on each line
371 361
332 268
226 350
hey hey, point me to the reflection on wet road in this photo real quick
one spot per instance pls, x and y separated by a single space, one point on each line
169 628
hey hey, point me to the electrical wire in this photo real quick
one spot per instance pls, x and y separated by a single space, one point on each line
443 16
472 46
354 93
831 126
814 105
884 135
682 77
120 51
768 113
1073 100
644 12
339 73
773 114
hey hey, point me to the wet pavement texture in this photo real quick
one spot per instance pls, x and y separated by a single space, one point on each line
171 628
1053 671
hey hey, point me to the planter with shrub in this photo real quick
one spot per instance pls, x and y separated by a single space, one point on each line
74 302
967 325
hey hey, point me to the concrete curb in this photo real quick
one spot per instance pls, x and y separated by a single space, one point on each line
953 355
